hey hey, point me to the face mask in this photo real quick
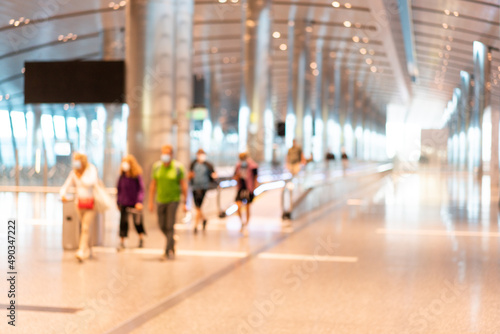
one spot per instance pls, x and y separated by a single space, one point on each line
165 158
77 164
202 158
125 166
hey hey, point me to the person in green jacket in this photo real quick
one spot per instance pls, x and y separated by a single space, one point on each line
168 183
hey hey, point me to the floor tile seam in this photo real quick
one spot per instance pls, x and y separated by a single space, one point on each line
174 299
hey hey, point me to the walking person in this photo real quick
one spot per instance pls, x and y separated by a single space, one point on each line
345 160
245 173
130 196
168 183
83 177
202 176
295 158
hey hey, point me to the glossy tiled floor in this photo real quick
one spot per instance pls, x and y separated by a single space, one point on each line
415 253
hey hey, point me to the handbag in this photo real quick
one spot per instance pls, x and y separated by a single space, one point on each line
102 200
86 203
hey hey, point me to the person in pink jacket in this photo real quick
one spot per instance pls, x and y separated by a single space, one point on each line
245 173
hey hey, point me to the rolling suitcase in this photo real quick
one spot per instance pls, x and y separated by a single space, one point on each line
71 228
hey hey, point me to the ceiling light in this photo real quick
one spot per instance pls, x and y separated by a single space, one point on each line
26 21
309 29
234 1
283 47
7 96
347 5
23 70
291 23
111 4
60 38
74 37
11 22
316 73
445 25
314 65
369 61
333 54
276 34
214 49
251 23
448 47
362 51
371 52
355 39
16 23
347 24
456 13
123 3
225 60
222 1
66 106
116 7
366 39
373 69
447 12
336 4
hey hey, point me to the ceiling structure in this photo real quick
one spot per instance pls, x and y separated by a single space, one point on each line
364 35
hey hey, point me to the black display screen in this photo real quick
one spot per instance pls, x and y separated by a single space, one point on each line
74 82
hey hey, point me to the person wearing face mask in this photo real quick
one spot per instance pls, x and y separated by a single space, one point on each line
129 198
167 185
245 173
83 177
202 176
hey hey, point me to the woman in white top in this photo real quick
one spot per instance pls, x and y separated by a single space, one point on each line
83 177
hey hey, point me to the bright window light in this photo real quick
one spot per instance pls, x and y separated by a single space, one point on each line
60 127
18 124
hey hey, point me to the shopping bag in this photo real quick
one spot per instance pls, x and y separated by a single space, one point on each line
102 200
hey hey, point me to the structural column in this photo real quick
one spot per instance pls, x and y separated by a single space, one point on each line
159 77
456 127
464 110
256 123
339 75
297 59
113 48
350 99
183 76
481 100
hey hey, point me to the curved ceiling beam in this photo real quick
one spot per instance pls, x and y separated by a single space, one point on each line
382 16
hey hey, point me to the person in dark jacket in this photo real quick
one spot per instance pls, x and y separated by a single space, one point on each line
202 176
245 173
130 196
